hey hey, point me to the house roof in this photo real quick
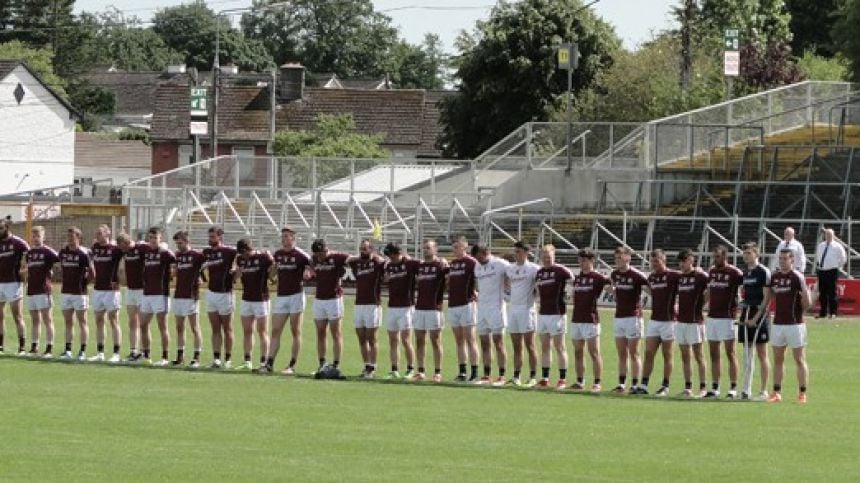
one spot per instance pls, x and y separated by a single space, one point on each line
134 92
98 150
397 114
243 116
432 127
8 65
403 117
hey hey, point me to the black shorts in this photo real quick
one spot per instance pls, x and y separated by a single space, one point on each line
749 333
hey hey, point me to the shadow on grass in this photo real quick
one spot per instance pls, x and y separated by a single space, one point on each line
361 380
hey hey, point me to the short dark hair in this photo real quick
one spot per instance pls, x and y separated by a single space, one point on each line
787 250
586 252
720 249
181 235
154 231
391 248
752 246
76 231
478 248
657 253
623 249
521 245
216 229
685 254
244 244
318 245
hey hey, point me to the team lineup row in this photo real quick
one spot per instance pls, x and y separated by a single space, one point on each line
486 295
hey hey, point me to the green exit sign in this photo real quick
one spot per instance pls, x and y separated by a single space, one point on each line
198 102
731 40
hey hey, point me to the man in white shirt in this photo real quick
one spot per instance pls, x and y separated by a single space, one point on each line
829 259
523 316
790 243
492 319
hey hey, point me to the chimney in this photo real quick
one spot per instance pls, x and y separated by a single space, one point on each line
291 83
176 69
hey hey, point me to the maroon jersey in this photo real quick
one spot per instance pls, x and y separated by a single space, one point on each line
723 284
431 284
369 274
106 260
787 289
291 270
461 281
664 290
551 282
134 266
40 261
12 250
329 271
628 292
189 265
219 263
587 288
75 263
691 296
401 282
255 276
156 271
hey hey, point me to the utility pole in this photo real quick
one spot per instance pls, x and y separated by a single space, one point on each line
687 13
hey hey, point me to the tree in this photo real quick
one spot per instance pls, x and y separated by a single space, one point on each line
812 24
763 21
346 37
507 71
765 67
418 66
38 60
819 68
191 29
845 36
644 84
334 136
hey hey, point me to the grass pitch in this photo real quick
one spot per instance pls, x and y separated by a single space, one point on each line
90 422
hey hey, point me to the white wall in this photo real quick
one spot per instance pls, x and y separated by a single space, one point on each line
37 137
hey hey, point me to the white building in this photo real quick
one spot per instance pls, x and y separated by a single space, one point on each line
37 132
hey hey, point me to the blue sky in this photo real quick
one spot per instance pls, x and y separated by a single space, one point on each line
634 20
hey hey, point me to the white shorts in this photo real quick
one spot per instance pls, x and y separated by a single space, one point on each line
74 302
522 319
289 304
660 328
627 328
427 320
718 330
793 335
331 309
221 302
461 316
366 316
185 307
133 297
11 291
39 302
254 309
106 300
689 334
584 330
398 318
492 320
551 324
154 304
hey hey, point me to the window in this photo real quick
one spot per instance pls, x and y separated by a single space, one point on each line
186 153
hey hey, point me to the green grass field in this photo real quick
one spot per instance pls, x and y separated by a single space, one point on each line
90 422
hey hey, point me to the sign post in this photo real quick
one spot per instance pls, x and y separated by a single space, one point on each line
731 58
199 125
568 59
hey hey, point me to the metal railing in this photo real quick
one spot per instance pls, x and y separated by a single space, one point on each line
604 232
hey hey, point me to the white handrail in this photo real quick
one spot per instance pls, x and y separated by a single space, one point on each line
397 214
256 199
200 206
289 200
330 211
225 200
